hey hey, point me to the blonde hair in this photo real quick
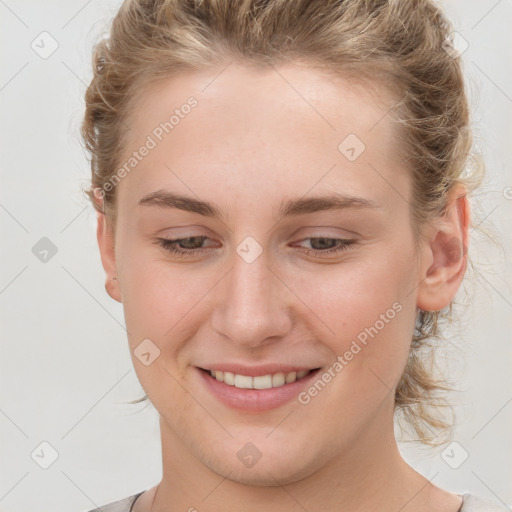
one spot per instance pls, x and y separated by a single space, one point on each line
405 44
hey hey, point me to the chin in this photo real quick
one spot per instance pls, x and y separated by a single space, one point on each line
273 469
262 476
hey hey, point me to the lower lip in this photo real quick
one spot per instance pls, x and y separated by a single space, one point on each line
256 400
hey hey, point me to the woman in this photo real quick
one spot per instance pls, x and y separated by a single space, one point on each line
283 212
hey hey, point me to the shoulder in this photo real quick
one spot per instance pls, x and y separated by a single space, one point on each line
123 505
474 503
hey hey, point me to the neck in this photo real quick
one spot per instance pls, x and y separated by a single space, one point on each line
371 475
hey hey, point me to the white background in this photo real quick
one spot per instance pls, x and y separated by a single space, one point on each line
66 373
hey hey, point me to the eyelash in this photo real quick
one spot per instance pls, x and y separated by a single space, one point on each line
170 245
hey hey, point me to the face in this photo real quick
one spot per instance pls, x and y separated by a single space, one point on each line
303 258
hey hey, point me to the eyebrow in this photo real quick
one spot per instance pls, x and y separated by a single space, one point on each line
290 208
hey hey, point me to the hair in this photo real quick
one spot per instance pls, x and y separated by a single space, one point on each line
407 45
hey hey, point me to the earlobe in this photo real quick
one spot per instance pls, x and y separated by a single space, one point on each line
446 255
106 244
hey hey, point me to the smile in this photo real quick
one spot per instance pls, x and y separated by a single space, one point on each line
274 380
256 393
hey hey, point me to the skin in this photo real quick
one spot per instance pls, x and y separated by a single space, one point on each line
253 141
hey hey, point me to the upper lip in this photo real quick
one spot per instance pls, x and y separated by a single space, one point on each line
256 371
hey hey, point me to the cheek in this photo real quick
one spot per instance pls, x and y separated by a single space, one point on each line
161 303
352 295
370 349
369 310
157 295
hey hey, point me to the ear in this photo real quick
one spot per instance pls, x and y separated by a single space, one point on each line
445 256
106 244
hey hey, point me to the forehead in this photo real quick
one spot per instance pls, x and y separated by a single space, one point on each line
263 130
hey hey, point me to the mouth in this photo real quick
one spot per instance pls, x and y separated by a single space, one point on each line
271 380
256 393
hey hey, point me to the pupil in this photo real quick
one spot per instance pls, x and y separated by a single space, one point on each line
191 241
323 244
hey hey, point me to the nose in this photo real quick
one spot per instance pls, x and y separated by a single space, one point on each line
255 307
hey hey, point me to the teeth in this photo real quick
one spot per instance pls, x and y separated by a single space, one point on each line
243 382
278 380
229 378
291 377
262 382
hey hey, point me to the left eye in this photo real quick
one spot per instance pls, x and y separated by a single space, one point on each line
193 245
328 246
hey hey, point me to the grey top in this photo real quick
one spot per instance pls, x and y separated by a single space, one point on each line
470 503
124 505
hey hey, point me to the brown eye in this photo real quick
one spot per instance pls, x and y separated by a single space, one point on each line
322 245
183 246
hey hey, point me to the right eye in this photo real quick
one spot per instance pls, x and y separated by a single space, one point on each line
175 246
